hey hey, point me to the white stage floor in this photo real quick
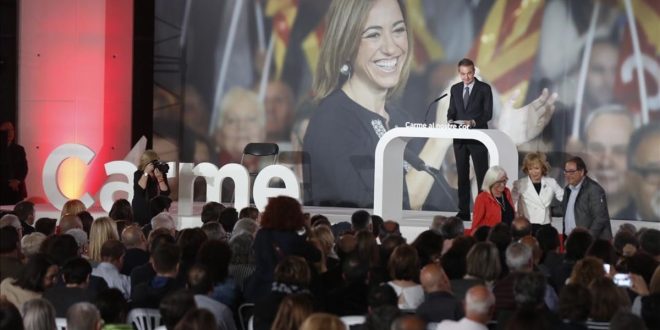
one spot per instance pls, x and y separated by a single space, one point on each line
413 222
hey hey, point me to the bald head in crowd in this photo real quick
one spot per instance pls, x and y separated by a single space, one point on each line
520 227
433 279
479 304
70 221
408 322
83 316
133 237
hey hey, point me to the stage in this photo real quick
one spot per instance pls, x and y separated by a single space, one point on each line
412 223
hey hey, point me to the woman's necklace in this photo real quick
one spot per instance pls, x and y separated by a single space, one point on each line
502 204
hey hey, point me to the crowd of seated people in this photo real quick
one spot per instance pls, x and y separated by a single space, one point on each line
282 269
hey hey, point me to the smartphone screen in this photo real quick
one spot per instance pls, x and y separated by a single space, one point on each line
623 280
606 267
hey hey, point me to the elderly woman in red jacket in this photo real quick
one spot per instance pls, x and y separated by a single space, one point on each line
493 204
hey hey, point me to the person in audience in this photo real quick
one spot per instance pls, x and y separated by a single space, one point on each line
453 261
381 317
500 235
576 246
574 306
38 314
83 316
624 320
10 255
24 210
11 220
39 274
361 220
249 212
319 219
603 250
245 226
214 231
30 244
164 220
215 256
584 203
403 268
322 321
112 260
189 241
479 309
45 226
277 238
75 274
606 300
86 219
148 182
529 293
408 322
174 305
197 319
293 311
376 223
429 246
200 284
81 239
650 306
136 248
121 210
520 227
493 204
242 263
158 204
73 207
211 212
10 317
68 222
113 308
439 304
625 243
103 229
228 219
165 260
548 239
146 272
437 222
350 297
650 243
534 194
483 268
481 234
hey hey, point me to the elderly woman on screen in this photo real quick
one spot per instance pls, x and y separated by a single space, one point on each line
493 204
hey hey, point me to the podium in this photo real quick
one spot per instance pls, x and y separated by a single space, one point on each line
388 176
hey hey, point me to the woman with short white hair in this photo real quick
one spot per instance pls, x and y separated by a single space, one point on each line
493 204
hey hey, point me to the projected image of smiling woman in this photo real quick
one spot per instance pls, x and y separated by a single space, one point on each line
364 62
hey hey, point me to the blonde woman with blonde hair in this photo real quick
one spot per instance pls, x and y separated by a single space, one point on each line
103 229
72 207
322 321
149 181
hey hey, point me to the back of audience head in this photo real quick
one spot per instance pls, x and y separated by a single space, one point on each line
606 299
72 206
650 307
228 218
528 318
113 251
215 256
214 231
625 243
293 311
45 226
519 257
533 244
174 306
165 259
381 317
31 244
199 280
325 237
133 238
102 230
574 303
452 227
249 212
60 248
158 237
121 210
433 279
529 290
10 242
481 234
367 248
76 272
387 229
322 321
159 204
361 220
346 244
112 306
650 243
293 270
39 314
376 223
479 304
520 227
625 320
163 220
390 243
197 319
39 274
245 226
319 219
10 317
548 238
586 270
404 263
242 252
436 223
211 212
577 244
83 316
282 213
81 239
86 219
10 220
641 264
428 245
483 262
500 235
70 221
454 259
190 240
24 210
603 250
354 270
408 322
382 295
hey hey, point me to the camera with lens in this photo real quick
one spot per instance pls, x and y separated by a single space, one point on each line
161 166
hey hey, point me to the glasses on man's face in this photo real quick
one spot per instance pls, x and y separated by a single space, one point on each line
650 175
570 171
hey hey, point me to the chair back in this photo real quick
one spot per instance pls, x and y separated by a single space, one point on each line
144 318
60 323
261 149
352 320
245 312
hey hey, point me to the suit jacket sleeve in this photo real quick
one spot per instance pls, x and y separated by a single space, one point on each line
451 112
487 111
598 204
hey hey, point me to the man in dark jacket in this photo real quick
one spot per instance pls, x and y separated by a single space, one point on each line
13 167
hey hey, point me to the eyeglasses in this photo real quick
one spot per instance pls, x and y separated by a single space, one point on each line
503 181
570 171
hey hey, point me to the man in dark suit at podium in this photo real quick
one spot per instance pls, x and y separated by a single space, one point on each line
470 105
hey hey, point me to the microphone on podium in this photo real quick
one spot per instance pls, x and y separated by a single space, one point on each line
430 104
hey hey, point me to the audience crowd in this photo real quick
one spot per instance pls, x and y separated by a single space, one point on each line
282 269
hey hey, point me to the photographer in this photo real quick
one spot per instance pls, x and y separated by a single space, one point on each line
149 181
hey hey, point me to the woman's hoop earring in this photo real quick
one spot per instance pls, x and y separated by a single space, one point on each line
345 69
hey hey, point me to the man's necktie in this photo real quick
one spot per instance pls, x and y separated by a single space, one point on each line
466 96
